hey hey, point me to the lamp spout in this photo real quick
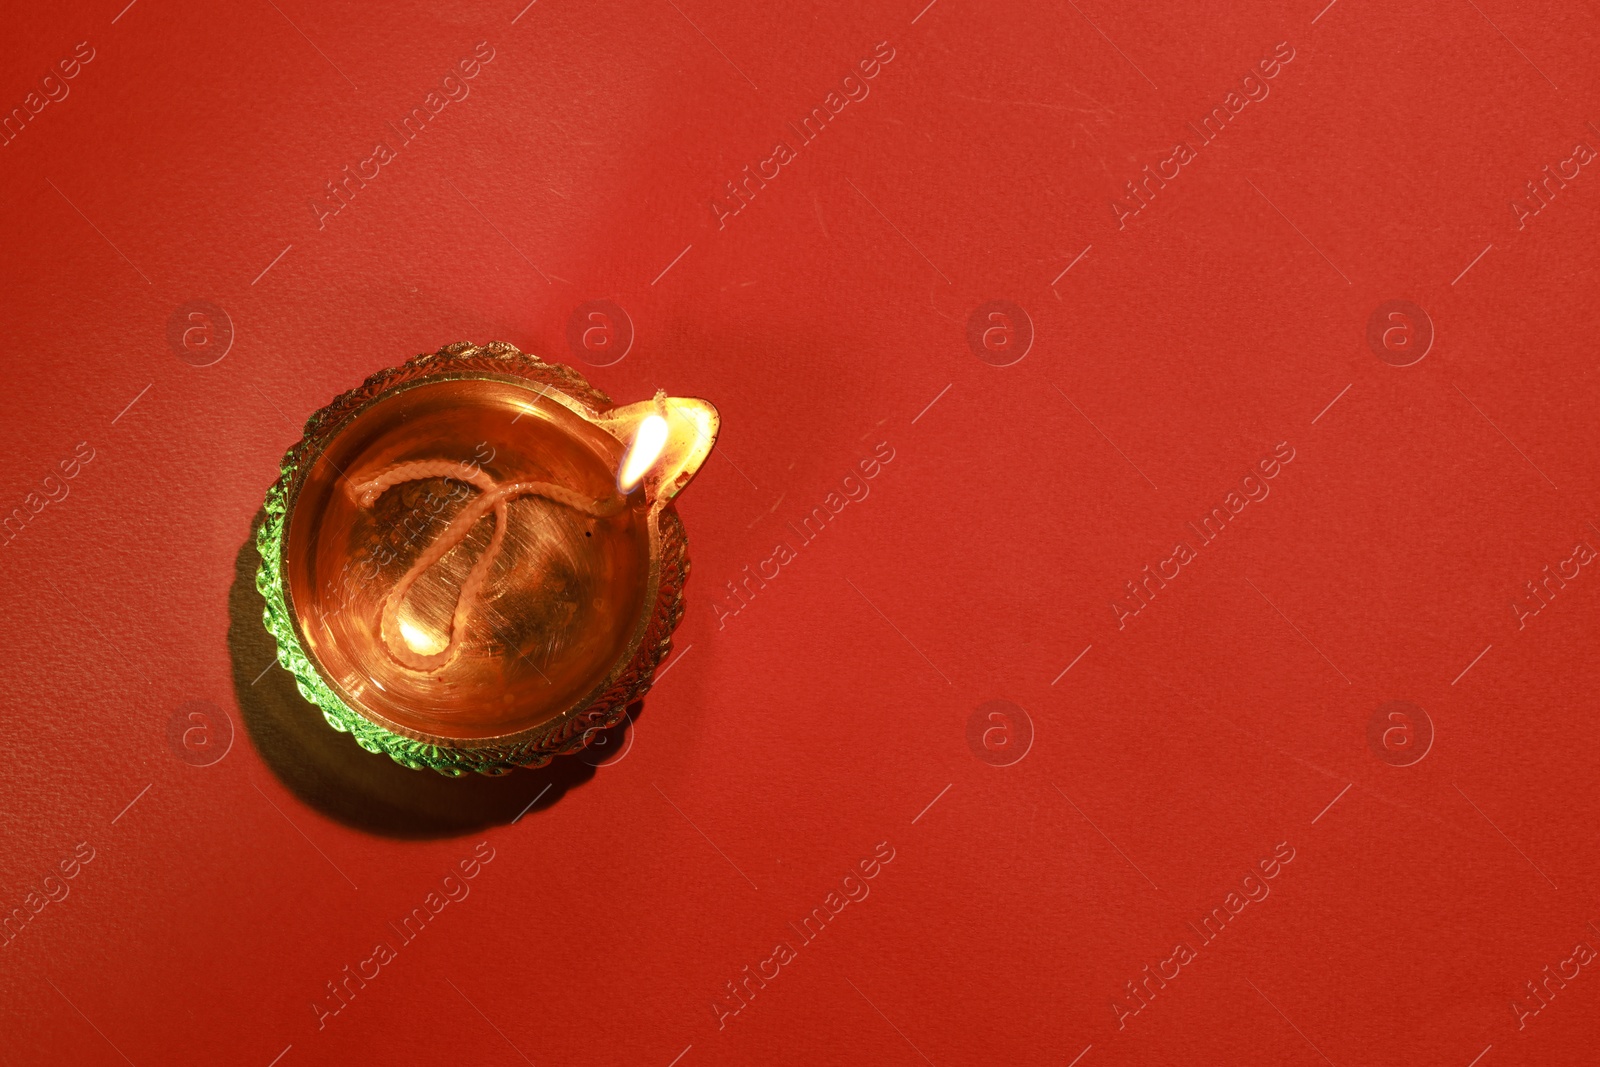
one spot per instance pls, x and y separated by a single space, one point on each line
666 441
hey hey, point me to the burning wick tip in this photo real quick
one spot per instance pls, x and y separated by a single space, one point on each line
648 443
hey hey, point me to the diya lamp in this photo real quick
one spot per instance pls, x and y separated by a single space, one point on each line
472 560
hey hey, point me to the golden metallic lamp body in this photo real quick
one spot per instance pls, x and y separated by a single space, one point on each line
472 561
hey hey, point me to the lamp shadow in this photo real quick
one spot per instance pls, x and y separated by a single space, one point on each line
365 790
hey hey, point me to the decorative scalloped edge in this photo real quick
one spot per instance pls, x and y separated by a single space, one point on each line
569 733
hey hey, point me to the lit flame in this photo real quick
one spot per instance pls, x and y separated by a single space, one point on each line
665 441
647 447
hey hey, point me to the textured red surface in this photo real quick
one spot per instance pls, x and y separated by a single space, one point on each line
834 710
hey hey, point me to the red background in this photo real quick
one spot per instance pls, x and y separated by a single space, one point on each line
779 748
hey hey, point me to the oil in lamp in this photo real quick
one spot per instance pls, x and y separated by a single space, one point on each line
472 560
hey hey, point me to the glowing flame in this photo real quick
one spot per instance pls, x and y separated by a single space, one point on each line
665 441
647 447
